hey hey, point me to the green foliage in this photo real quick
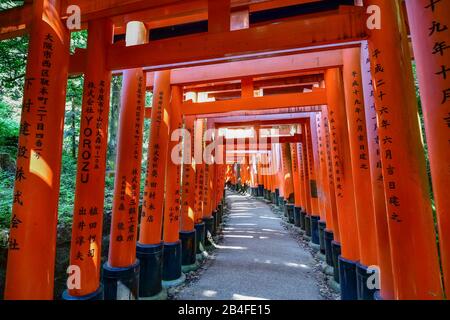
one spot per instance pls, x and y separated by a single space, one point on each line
66 191
6 197
9 127
13 60
8 4
78 39
422 127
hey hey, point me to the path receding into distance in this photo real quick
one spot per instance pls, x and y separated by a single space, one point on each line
257 259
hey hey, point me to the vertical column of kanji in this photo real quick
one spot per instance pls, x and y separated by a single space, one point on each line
411 228
345 196
171 273
332 237
85 251
430 31
199 181
385 279
311 140
306 180
121 271
356 120
32 238
302 181
214 154
188 234
325 212
327 184
150 245
208 213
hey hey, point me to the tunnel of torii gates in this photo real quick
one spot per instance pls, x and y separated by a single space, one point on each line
334 139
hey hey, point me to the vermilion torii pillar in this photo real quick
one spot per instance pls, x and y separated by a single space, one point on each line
280 175
273 185
328 195
32 238
304 211
411 228
287 180
259 176
188 233
311 138
208 211
345 197
323 198
379 200
306 181
85 251
150 245
288 183
254 176
266 182
219 180
356 120
122 267
296 183
429 23
199 129
172 274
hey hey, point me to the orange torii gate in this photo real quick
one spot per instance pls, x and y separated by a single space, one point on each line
363 172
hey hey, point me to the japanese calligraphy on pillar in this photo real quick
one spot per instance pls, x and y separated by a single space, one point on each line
320 140
385 129
359 118
372 120
189 174
294 154
32 133
328 155
437 30
87 223
126 226
151 183
322 158
432 34
336 162
175 205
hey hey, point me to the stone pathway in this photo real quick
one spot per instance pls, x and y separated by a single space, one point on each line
257 259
